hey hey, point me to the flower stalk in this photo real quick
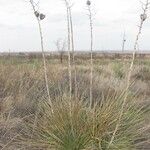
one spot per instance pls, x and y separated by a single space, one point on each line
143 17
91 50
39 16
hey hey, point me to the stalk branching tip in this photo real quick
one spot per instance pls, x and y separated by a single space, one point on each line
88 2
143 17
42 16
37 14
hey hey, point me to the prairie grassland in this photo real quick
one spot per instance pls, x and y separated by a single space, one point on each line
26 122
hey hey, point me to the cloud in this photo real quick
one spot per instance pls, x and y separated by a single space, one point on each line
19 27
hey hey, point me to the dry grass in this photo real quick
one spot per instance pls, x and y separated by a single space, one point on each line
23 98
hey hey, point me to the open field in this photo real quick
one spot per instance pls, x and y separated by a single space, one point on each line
66 99
26 120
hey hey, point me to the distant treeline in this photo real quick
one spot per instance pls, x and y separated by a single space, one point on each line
79 54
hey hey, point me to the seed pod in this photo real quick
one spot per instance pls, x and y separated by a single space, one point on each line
88 2
37 14
42 16
143 17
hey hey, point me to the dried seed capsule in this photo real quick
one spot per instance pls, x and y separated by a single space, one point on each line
42 16
143 17
88 2
37 14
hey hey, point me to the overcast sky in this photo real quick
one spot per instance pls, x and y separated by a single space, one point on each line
18 26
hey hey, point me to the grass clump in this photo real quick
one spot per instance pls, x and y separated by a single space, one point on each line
75 126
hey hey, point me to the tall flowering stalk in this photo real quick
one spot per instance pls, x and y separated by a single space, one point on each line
39 16
143 17
71 55
73 51
69 47
91 49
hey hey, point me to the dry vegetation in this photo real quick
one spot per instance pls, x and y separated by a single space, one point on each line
75 103
26 120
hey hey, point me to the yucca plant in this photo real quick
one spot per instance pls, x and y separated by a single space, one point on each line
40 16
71 49
143 17
91 49
83 130
73 52
60 130
69 46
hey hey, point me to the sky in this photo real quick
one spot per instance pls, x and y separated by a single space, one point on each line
19 29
